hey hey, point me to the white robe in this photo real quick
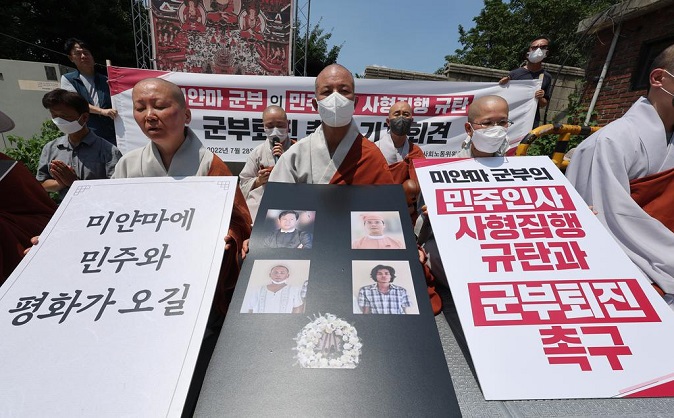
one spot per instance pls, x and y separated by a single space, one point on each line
309 161
191 159
261 155
601 168
392 153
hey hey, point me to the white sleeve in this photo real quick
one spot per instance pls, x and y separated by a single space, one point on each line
67 85
248 174
600 174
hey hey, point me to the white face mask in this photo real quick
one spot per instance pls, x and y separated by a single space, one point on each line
67 127
336 110
490 139
280 133
536 56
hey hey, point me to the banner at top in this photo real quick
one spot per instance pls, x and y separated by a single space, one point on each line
227 109
222 36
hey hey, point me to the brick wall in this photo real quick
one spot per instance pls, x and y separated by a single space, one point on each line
616 96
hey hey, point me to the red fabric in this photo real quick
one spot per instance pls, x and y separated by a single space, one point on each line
25 209
436 301
403 173
655 194
240 228
363 164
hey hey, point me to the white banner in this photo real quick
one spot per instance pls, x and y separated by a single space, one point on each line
227 109
550 305
105 317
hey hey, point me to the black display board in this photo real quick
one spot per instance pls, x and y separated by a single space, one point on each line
401 369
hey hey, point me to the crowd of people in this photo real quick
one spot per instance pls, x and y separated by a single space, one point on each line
613 170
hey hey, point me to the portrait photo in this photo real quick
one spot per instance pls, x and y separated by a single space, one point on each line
287 228
383 287
277 286
376 231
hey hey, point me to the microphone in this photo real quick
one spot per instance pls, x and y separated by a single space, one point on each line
275 141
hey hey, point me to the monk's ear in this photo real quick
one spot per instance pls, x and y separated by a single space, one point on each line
188 116
355 101
468 128
314 103
655 77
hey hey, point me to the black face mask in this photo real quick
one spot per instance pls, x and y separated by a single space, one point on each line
400 125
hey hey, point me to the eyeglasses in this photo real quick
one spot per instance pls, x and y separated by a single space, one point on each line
535 47
505 123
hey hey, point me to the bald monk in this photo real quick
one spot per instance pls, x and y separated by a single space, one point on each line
399 152
336 153
487 128
255 173
174 150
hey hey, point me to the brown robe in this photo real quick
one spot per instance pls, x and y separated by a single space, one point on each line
240 228
25 209
363 164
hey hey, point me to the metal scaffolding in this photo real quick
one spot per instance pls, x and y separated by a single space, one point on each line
142 33
301 25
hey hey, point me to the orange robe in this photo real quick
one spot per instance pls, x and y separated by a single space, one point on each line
240 228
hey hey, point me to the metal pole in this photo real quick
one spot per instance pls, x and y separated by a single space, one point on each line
604 70
306 39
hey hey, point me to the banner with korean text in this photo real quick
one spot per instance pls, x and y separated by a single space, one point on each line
222 36
227 109
106 315
550 305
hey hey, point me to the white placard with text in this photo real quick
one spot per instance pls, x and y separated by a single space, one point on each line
550 305
105 316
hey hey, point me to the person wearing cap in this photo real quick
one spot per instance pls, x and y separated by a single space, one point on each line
277 296
487 128
79 154
25 208
91 85
375 239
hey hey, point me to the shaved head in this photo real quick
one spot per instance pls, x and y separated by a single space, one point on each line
274 109
167 87
334 70
398 108
665 59
482 105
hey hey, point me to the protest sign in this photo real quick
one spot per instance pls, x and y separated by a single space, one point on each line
550 305
105 316
227 109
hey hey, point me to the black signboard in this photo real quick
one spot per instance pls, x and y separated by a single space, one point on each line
331 315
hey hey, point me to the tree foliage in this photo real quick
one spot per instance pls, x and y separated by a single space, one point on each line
504 29
29 150
318 54
35 30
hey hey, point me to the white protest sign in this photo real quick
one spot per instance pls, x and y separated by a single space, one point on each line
550 305
227 109
105 316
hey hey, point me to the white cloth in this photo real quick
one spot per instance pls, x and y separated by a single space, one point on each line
309 161
191 159
390 151
89 84
264 301
261 156
602 166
